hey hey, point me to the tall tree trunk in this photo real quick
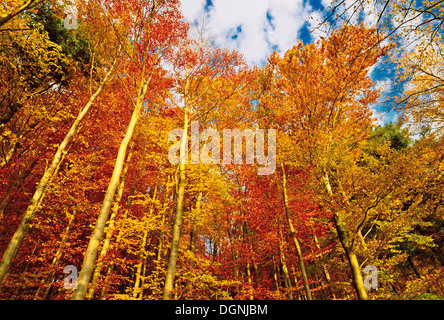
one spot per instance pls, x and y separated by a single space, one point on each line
111 226
29 4
118 242
162 224
55 261
275 276
358 282
193 232
142 253
300 295
20 233
410 260
171 268
287 280
250 291
324 267
91 251
293 234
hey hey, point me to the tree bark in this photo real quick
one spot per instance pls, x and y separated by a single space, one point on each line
358 282
111 227
162 224
324 267
250 284
275 276
287 279
171 268
118 241
142 253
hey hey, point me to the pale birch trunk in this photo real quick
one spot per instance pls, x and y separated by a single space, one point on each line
118 241
275 276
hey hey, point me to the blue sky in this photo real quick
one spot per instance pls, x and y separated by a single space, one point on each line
258 27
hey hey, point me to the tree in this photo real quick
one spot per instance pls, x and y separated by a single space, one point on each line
50 171
329 107
146 57
207 79
10 9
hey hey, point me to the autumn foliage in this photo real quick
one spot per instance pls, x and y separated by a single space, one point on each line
345 193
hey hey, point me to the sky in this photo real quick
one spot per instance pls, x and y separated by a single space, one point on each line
256 28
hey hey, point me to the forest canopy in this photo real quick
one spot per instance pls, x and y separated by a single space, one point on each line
285 183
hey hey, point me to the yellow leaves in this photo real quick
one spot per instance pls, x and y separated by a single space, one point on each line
423 94
10 6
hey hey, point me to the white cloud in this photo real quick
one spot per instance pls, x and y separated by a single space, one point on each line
317 30
258 35
381 117
384 85
378 116
371 13
192 9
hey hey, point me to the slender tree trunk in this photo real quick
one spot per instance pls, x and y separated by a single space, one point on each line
45 286
171 268
324 267
256 271
193 233
20 233
347 202
300 295
251 295
275 276
29 4
293 234
117 244
358 282
410 260
111 227
142 254
91 251
162 224
287 280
